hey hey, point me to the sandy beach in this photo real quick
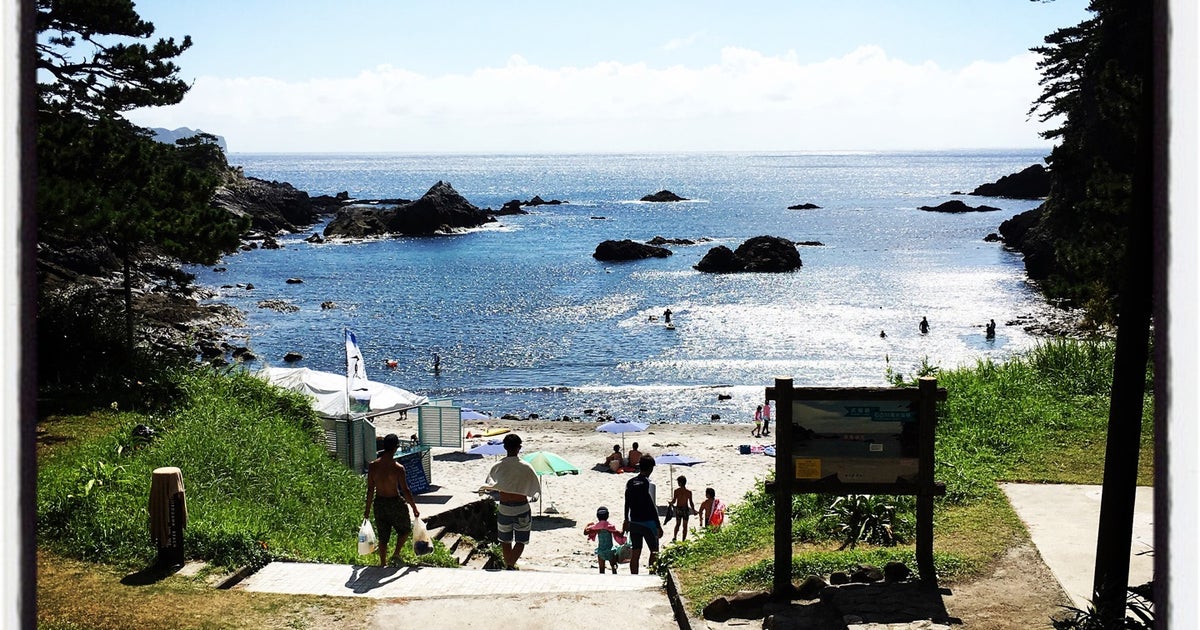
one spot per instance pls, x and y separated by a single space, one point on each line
569 502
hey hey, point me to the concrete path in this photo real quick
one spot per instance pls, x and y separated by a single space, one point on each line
464 598
1062 521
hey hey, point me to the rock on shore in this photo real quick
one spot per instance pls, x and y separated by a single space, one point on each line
1031 183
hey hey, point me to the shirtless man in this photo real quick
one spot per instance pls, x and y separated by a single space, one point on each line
681 507
385 478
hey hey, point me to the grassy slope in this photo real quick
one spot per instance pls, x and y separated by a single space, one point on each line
1038 419
259 487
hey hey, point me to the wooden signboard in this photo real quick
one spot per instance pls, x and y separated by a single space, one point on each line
854 441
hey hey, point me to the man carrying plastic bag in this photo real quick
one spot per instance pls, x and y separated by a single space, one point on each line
385 478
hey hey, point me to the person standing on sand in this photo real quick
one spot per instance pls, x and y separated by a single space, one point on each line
766 430
517 484
682 507
385 478
757 432
641 516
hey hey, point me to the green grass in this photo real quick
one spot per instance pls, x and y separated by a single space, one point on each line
259 484
1041 418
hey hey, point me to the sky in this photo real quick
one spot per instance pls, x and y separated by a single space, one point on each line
533 77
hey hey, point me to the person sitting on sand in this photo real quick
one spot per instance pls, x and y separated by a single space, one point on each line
712 511
604 533
681 507
613 461
635 456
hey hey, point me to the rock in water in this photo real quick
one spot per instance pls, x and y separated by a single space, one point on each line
663 196
628 250
1031 183
763 254
955 206
441 209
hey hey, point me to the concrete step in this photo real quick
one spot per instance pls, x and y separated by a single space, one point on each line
451 541
462 550
436 533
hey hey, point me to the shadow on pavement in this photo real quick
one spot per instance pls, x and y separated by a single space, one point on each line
364 579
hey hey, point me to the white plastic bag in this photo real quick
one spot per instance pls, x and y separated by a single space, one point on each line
367 542
422 544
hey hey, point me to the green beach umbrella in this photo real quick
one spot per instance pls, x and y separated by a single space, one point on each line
547 463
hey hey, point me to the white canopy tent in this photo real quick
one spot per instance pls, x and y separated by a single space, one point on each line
328 391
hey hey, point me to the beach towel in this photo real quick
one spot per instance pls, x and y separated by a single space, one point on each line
718 513
604 526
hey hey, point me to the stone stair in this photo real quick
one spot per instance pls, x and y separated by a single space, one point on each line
462 548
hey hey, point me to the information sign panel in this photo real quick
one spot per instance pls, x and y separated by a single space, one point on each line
855 441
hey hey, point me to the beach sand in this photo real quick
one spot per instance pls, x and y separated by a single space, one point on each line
569 502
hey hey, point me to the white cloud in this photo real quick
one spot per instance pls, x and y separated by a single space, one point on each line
683 42
745 101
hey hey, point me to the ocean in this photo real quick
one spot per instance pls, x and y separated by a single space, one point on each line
523 320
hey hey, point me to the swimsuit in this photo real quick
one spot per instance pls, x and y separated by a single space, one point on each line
513 522
391 512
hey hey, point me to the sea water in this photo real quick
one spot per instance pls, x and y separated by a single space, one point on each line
523 320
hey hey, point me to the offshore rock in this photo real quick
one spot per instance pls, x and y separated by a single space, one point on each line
628 250
441 209
805 206
663 196
955 206
1031 183
658 240
761 254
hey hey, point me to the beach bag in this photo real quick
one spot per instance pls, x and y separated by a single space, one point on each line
744 449
624 552
367 542
422 544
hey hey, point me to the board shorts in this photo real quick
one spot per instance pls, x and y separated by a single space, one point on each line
681 512
648 530
391 512
513 522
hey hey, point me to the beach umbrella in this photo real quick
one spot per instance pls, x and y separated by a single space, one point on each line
471 414
675 459
547 463
492 447
622 426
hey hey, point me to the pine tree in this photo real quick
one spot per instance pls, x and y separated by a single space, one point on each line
101 179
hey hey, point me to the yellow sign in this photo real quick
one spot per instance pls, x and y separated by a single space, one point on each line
808 468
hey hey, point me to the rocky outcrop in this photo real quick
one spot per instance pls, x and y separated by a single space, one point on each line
805 206
272 207
613 251
955 206
663 196
761 254
510 207
1021 233
1031 183
442 209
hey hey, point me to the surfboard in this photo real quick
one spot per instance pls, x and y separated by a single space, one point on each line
491 432
670 326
